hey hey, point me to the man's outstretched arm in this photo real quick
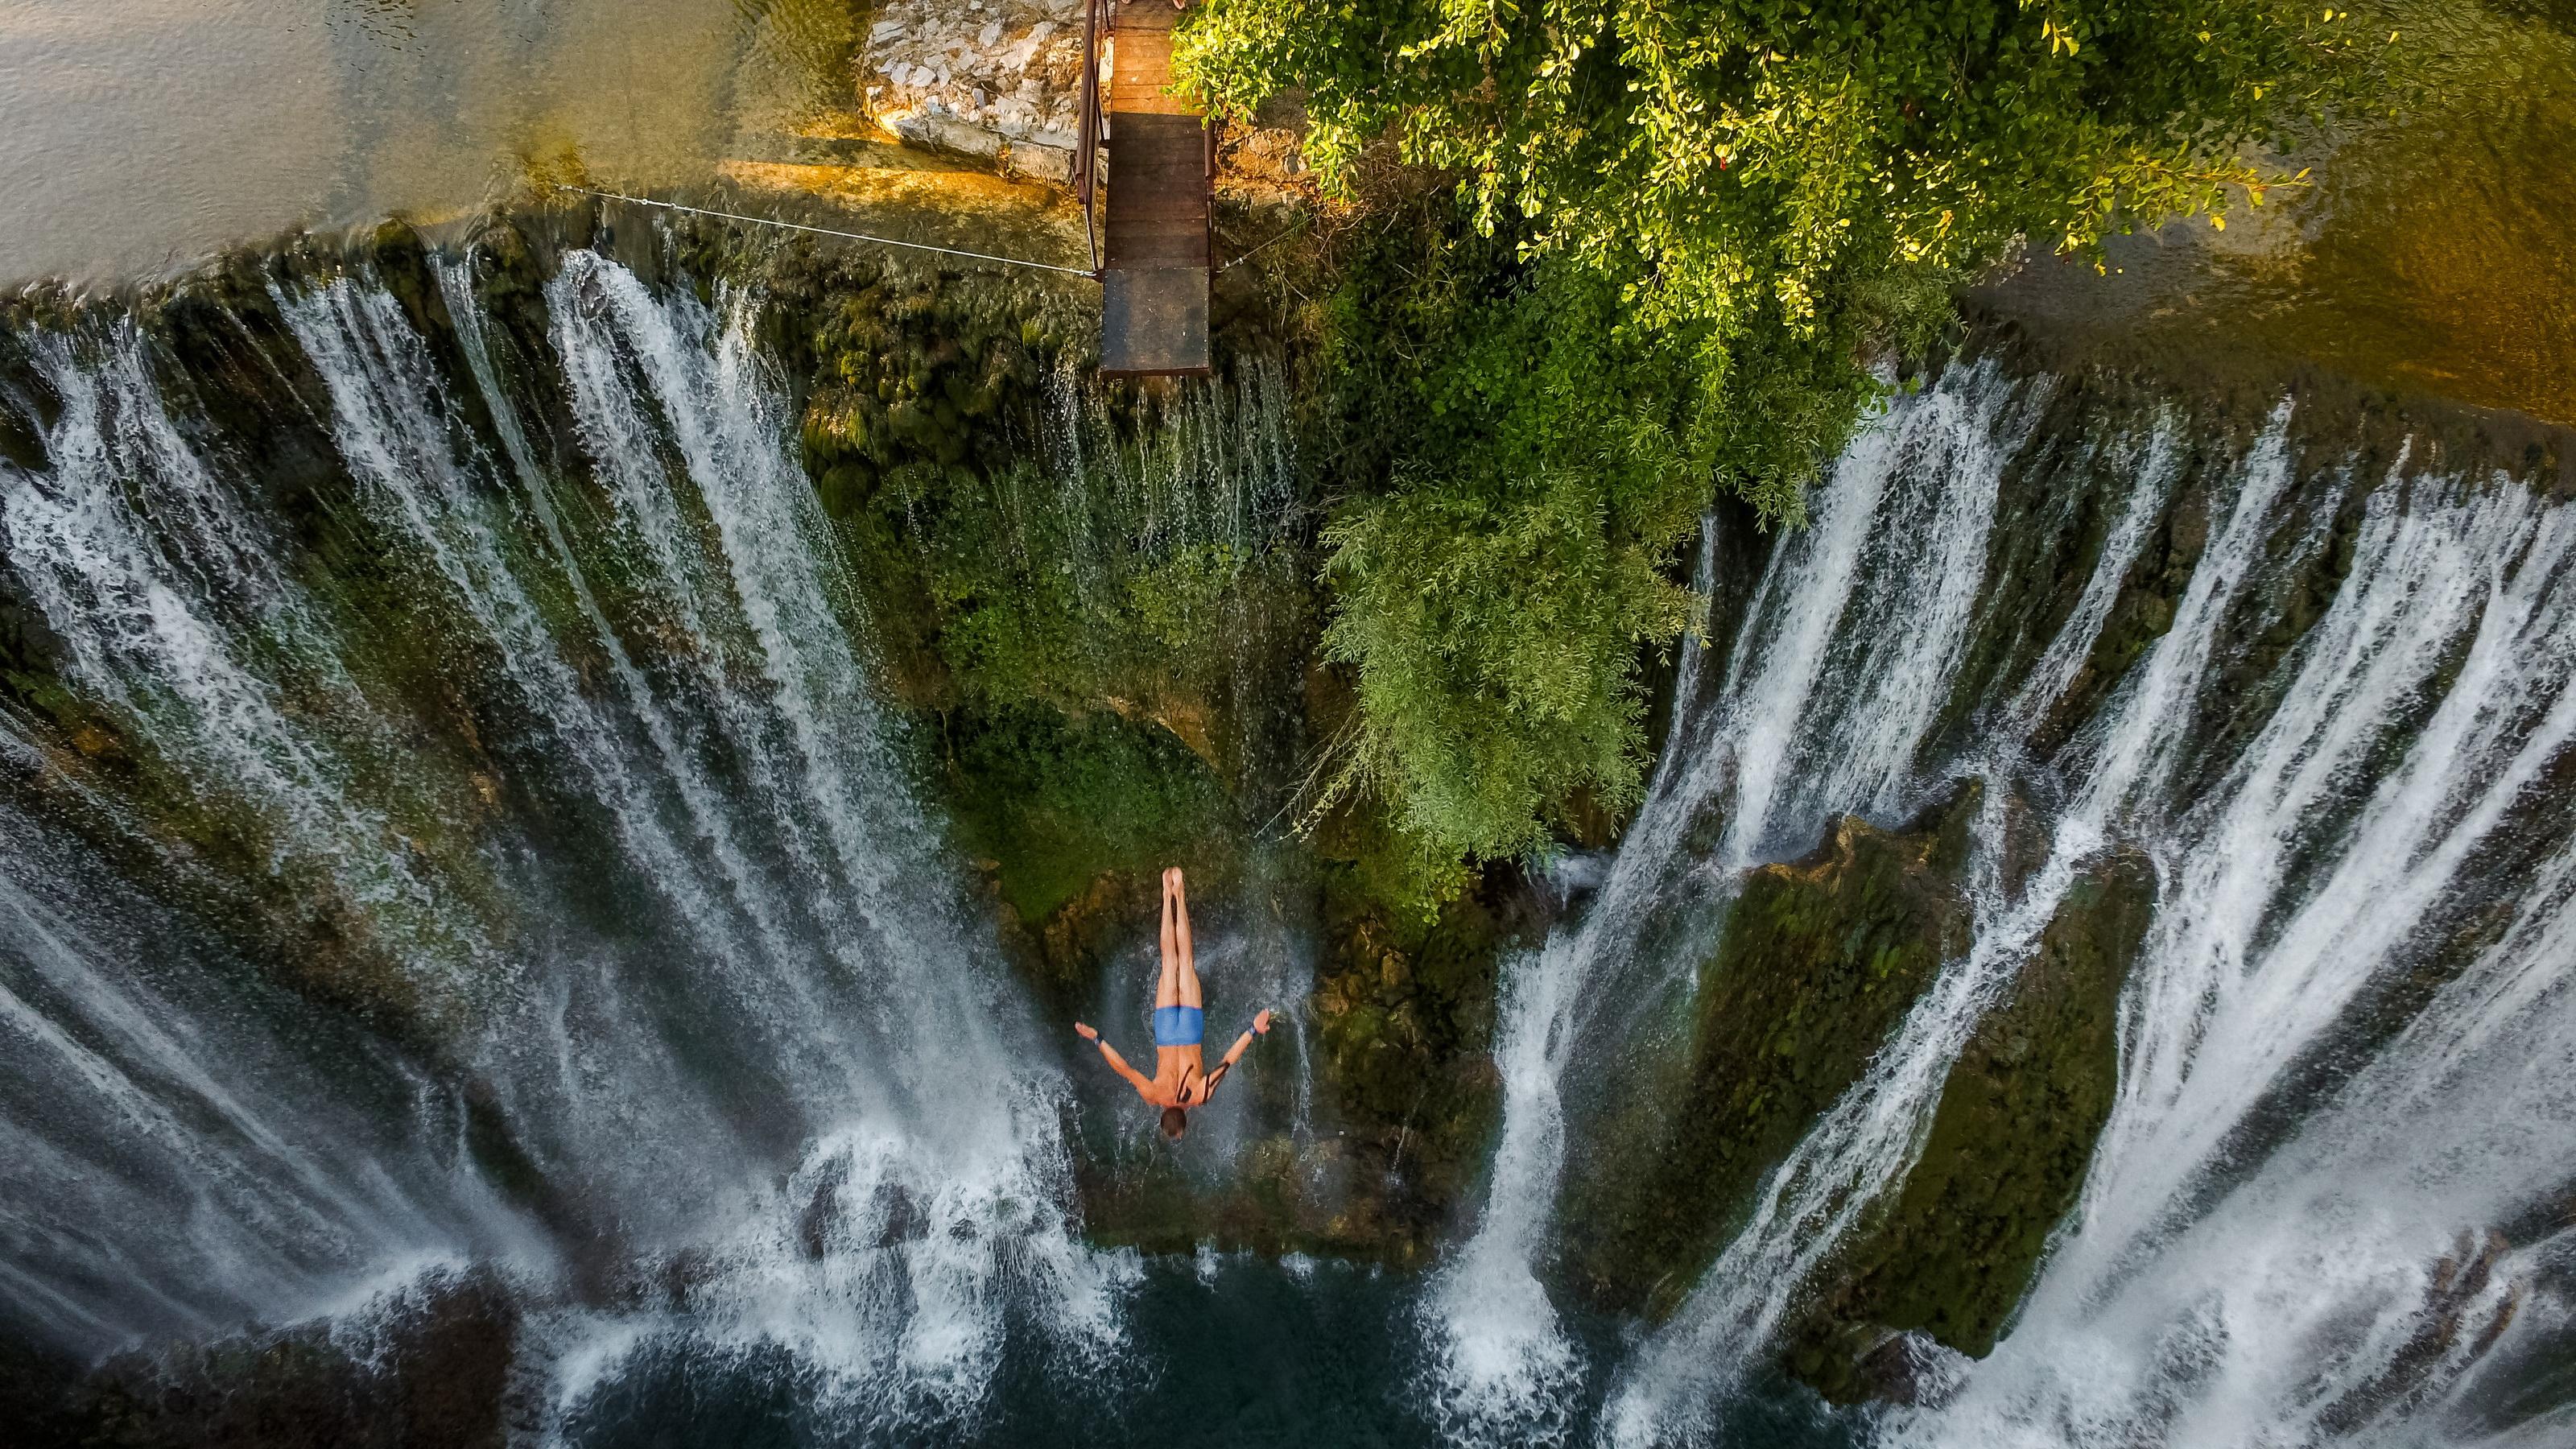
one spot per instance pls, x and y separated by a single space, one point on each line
1117 1063
1242 1044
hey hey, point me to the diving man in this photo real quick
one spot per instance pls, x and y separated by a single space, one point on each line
1181 1079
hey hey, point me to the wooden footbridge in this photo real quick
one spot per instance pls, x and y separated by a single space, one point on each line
1156 262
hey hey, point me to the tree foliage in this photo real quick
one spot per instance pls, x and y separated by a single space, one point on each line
1737 161
1502 563
1712 210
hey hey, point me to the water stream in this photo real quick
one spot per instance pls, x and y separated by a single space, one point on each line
748 1087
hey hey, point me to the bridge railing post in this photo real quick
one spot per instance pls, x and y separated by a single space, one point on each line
1086 154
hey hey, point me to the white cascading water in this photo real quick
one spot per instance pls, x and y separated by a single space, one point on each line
1792 731
141 1088
1869 1138
2352 1281
746 796
2205 1293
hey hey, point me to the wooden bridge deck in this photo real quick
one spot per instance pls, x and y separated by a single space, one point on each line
1154 282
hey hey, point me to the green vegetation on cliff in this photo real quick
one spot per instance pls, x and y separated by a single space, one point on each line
1099 643
1491 603
1817 963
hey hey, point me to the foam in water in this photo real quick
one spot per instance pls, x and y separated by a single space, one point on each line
143 1089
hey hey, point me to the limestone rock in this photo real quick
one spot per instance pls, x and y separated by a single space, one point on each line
999 81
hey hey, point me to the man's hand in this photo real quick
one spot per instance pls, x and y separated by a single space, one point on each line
1084 1031
1261 1021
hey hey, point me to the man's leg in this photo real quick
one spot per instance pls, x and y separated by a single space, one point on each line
1181 930
1167 992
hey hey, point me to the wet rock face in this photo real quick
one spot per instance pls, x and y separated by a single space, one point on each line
1406 1013
434 1370
1954 1250
1402 1019
1818 962
1816 965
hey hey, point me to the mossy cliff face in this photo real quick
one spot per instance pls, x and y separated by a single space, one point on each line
1102 601
2176 442
1818 962
1100 606
1073 818
1405 1011
1954 1249
1815 965
1097 594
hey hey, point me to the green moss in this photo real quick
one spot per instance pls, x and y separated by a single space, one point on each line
1954 1251
1405 1008
2140 613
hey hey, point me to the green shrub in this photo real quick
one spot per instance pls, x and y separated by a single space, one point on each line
1493 629
1493 589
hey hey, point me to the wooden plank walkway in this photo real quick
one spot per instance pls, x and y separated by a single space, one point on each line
1154 282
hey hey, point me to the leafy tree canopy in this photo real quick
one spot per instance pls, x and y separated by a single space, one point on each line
1699 214
1733 161
1492 601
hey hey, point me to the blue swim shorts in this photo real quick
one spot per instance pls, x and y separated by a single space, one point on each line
1179 1025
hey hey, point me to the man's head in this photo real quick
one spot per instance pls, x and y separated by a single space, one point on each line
1175 1122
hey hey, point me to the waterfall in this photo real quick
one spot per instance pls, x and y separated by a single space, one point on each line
657 886
2238 1272
451 824
2360 1277
1871 1136
1831 683
143 1090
